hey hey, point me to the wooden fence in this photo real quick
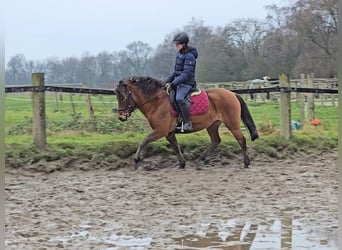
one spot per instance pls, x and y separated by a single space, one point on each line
284 90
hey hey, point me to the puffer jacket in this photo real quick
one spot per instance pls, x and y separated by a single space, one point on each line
185 66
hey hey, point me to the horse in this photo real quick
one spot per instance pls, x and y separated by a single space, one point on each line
151 97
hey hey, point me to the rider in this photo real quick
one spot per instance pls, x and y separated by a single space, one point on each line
183 77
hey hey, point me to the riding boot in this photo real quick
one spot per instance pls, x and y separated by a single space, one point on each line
185 112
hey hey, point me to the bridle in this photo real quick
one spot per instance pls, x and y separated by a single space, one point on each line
131 105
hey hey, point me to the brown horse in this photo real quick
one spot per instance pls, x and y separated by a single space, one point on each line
151 98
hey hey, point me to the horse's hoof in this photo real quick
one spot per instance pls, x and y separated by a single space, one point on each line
181 165
247 162
136 164
200 164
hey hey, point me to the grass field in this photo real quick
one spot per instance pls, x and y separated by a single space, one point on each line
69 124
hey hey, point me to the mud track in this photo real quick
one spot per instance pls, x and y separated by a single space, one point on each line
277 203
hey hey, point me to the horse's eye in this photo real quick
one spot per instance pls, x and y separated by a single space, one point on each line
121 97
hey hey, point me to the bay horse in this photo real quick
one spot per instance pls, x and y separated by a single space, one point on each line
150 96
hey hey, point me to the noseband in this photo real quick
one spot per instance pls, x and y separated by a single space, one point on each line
130 105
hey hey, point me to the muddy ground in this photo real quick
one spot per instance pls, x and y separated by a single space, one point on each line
279 203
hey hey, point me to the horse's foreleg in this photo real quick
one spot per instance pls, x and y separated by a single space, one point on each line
174 144
148 139
214 138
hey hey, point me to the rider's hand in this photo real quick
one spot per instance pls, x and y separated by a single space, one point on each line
167 87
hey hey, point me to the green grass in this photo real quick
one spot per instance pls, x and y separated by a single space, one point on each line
72 133
267 117
61 116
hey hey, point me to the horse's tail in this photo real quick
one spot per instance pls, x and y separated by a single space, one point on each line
247 119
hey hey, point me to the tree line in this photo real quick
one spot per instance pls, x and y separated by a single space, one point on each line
300 37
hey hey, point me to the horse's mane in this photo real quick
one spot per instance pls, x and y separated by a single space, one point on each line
148 85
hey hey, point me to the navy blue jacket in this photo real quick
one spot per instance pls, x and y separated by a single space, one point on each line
184 71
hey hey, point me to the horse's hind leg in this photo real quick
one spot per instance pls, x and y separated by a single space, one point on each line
214 138
174 144
241 139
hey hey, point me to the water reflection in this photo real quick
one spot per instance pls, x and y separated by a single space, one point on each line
229 234
278 234
115 241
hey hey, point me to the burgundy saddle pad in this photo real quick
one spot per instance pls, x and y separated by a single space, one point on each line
199 104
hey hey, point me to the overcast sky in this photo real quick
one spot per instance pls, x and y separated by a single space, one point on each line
40 29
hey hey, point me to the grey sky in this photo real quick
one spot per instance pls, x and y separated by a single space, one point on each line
40 29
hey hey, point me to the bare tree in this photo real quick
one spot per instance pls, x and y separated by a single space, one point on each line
298 38
105 67
244 39
87 68
161 63
316 20
69 70
53 70
16 71
311 26
139 53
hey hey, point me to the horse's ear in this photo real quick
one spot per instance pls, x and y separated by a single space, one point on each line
133 79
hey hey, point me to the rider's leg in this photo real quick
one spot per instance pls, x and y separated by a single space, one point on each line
184 108
182 91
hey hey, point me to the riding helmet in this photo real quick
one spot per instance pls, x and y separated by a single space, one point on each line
181 37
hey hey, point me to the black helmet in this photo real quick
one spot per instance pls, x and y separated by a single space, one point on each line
181 37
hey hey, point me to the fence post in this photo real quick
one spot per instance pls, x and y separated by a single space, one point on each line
56 101
89 106
311 98
72 104
285 108
302 100
38 111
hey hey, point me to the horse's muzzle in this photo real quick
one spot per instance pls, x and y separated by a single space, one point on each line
123 116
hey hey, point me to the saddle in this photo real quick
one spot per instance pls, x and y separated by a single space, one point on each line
196 99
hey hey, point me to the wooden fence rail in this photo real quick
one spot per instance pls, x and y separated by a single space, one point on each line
284 89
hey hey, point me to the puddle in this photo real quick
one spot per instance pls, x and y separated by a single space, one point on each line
229 234
128 241
112 240
286 234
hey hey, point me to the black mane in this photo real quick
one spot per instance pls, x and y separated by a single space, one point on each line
147 84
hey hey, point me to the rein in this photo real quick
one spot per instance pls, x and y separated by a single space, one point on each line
151 99
130 108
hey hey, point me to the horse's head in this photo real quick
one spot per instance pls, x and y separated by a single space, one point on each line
135 92
126 104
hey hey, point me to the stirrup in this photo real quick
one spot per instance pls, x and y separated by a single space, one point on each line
188 129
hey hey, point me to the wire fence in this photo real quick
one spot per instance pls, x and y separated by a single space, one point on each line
80 108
